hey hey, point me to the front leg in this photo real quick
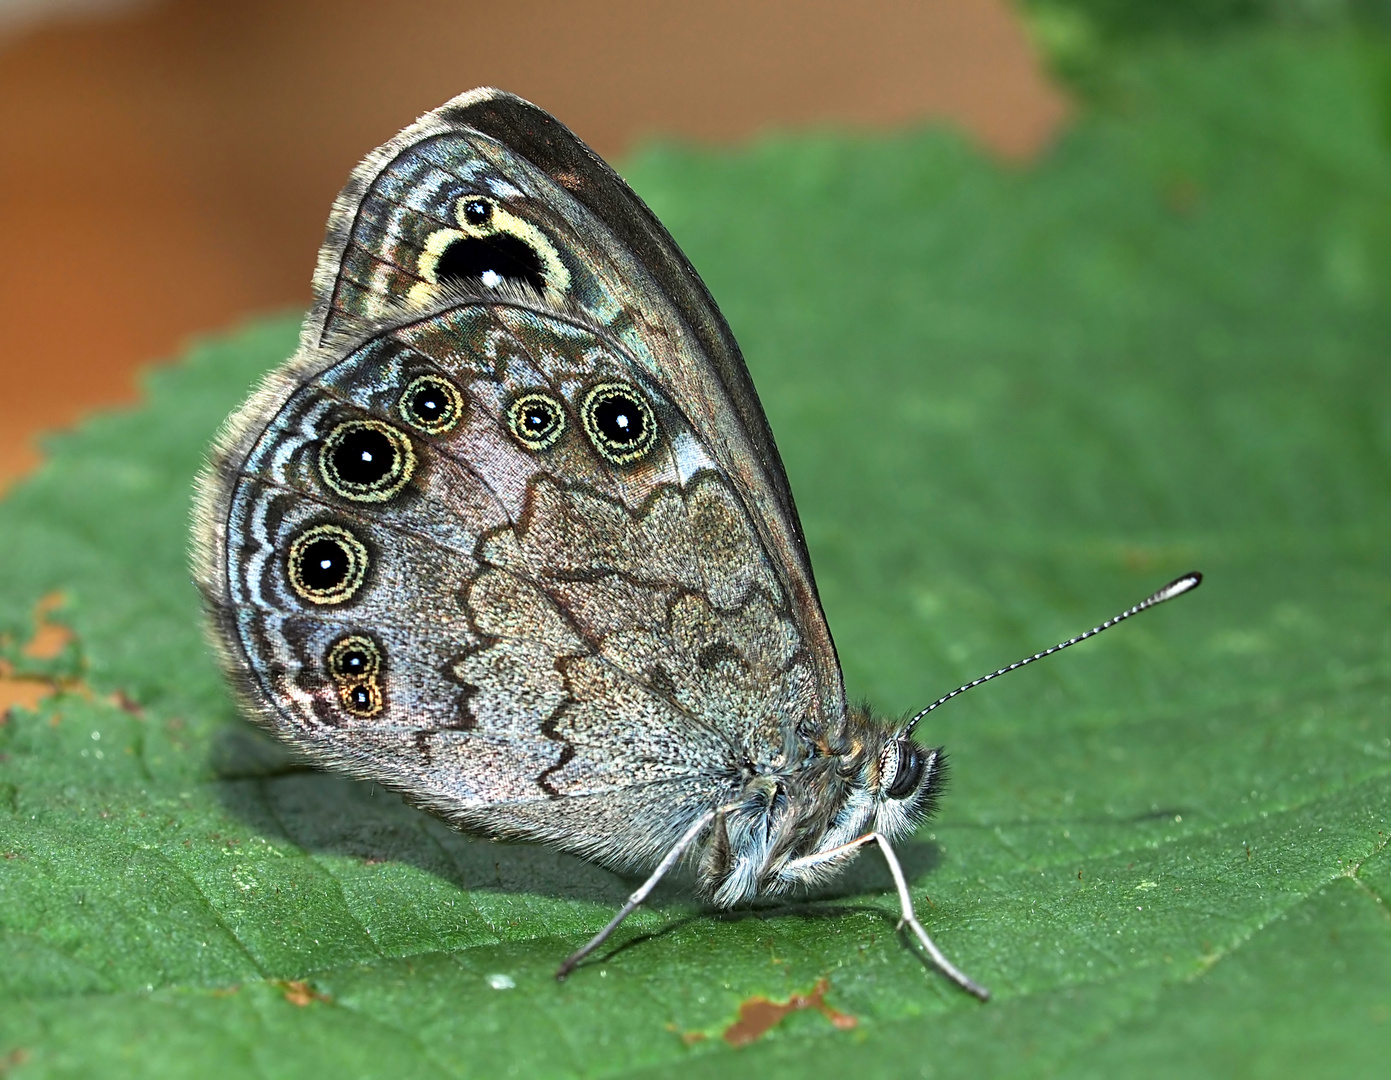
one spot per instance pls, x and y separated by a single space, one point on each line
945 966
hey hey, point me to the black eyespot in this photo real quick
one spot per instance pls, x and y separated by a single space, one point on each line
909 773
619 422
492 260
537 420
326 564
362 699
477 212
354 658
432 404
366 460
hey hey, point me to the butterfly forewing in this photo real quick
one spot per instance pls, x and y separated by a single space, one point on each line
489 188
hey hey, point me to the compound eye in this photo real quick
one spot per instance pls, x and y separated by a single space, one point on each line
537 420
907 759
619 422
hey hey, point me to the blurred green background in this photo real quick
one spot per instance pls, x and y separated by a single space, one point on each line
1013 396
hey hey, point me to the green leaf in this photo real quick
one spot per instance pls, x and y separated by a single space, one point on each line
1011 403
1082 40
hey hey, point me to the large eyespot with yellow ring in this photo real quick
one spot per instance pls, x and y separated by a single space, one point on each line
326 564
619 422
366 460
432 404
536 420
487 245
354 658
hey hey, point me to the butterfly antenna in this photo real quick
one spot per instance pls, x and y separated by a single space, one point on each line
1177 587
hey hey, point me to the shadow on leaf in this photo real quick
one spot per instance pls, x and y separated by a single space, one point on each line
270 790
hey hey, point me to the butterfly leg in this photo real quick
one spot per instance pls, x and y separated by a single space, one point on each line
672 857
907 917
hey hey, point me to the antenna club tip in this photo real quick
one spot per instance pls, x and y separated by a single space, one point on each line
1179 586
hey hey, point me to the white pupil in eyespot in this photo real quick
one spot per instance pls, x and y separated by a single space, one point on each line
324 564
621 420
491 278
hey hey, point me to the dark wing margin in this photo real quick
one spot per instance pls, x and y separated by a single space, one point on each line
553 148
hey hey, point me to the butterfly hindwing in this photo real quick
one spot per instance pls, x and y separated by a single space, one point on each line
490 617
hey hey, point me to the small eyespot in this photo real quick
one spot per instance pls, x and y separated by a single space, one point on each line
432 404
363 699
354 662
619 422
536 420
902 767
326 564
366 460
477 212
354 658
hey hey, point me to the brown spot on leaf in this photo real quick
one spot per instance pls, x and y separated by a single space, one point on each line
49 637
690 1038
758 1015
298 992
21 693
123 702
47 642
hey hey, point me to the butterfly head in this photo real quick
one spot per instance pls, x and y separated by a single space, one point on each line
893 782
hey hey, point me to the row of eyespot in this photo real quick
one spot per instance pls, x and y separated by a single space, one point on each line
354 663
372 461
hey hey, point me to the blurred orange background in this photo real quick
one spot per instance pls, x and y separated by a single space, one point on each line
166 168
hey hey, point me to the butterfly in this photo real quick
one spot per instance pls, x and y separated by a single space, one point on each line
509 534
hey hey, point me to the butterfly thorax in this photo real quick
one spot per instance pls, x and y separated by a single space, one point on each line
787 824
